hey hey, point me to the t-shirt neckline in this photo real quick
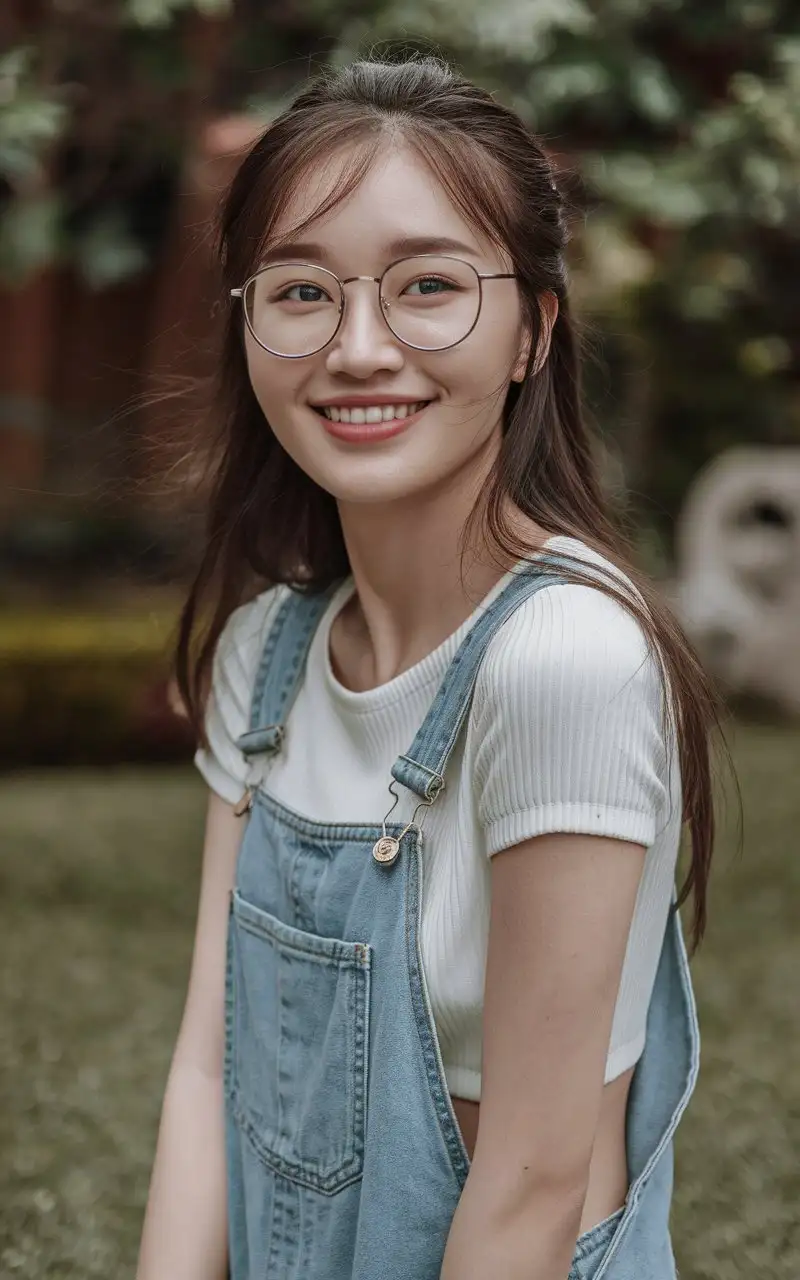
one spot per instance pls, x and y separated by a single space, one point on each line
428 670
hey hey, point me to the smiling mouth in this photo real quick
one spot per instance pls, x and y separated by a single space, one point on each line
362 414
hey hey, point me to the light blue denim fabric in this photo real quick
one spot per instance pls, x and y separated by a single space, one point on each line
345 1161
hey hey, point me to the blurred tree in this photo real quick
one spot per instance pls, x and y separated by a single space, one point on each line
100 100
676 126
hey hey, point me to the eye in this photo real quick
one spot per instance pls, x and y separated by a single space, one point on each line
429 286
304 291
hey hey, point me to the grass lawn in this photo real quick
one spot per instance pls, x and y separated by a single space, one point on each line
98 880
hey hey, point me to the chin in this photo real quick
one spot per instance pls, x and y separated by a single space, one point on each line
372 492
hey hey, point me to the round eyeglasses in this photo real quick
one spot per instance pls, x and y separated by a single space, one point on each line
430 302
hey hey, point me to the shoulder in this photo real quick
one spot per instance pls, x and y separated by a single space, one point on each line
241 644
227 713
567 719
570 639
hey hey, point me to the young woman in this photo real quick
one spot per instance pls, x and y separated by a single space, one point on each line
466 1055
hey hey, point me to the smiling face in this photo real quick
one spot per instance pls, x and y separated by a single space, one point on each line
440 411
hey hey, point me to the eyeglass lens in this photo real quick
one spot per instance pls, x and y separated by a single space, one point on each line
430 303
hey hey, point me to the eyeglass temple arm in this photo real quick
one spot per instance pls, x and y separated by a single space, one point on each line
237 293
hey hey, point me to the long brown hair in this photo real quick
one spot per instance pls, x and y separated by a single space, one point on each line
269 523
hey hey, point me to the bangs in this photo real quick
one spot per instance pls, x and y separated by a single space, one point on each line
346 148
473 180
349 167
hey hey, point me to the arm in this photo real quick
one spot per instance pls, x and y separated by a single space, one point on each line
561 911
185 1225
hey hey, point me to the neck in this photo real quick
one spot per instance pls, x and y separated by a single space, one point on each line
418 576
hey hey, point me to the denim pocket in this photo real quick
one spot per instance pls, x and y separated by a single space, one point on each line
298 1051
591 1247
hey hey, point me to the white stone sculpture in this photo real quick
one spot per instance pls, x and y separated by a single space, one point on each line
738 588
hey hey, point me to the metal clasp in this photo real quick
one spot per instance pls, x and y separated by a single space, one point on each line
386 850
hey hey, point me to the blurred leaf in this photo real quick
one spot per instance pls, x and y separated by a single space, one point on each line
26 126
553 86
506 28
764 356
653 91
30 236
30 119
107 253
667 190
157 14
14 64
611 265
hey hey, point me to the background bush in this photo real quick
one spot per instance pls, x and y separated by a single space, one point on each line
676 126
86 689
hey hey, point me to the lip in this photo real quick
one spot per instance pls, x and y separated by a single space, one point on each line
368 432
360 402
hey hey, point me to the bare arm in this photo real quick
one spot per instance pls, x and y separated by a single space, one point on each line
185 1226
560 916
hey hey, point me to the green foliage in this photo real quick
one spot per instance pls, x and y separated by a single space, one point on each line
677 126
29 118
108 252
86 688
83 151
30 235
160 13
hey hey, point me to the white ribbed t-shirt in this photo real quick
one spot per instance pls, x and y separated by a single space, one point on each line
565 734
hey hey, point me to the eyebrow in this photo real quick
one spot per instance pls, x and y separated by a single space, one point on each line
407 246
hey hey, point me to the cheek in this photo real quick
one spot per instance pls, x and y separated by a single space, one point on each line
478 382
270 378
275 385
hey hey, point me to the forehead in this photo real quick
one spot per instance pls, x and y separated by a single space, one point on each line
398 198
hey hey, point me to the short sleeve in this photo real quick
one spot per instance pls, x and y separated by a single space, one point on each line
569 725
236 661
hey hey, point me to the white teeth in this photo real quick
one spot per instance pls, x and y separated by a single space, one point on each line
373 413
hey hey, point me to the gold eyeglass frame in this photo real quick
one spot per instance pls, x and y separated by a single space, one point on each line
383 303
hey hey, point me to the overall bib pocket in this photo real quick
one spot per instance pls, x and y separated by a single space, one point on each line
299 1047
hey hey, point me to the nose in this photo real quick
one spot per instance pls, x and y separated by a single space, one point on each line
364 344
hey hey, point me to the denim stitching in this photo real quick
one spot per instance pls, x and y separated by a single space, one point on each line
328 1184
356 959
275 632
447 736
637 1188
271 705
596 1236
421 1017
438 734
335 832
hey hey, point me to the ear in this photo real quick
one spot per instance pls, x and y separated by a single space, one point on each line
548 310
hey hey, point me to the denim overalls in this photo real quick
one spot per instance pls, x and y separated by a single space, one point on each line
345 1161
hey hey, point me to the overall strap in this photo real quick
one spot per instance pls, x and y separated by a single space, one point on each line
281 669
423 766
